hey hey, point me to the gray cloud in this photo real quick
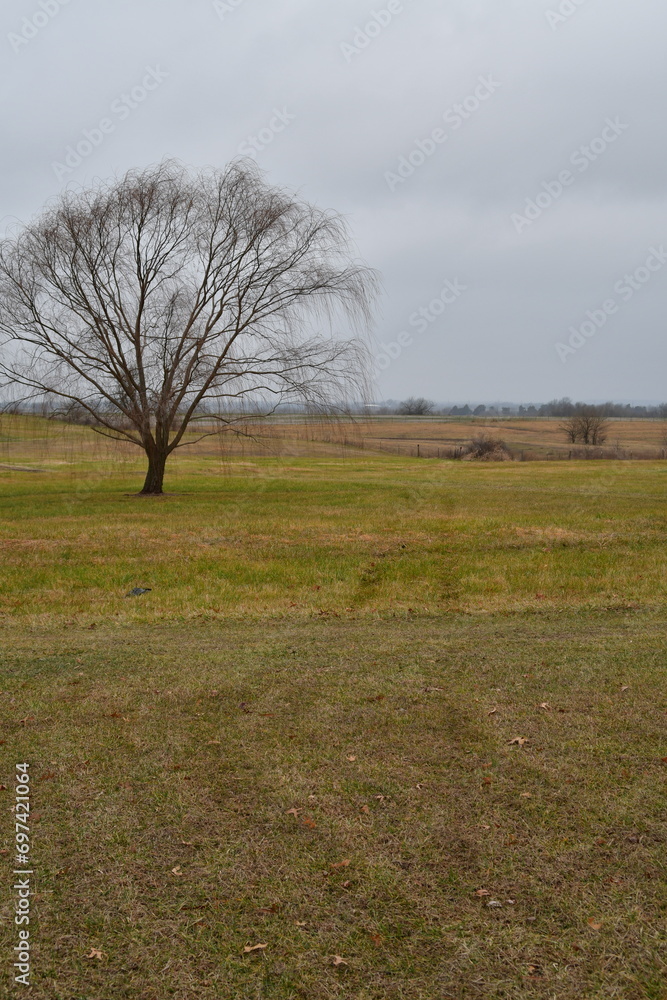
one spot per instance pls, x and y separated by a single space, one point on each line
353 115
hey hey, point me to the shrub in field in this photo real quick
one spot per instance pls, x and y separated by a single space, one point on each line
486 448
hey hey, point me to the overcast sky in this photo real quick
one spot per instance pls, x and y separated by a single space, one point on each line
500 162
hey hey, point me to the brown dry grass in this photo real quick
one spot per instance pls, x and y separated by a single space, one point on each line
26 440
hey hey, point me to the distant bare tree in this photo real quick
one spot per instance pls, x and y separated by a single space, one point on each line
588 425
416 407
570 428
594 427
139 301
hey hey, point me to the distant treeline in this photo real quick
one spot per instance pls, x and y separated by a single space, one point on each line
420 407
566 408
413 407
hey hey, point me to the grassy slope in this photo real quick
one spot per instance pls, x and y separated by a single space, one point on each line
159 747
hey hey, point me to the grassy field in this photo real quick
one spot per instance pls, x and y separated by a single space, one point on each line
400 722
23 438
526 437
330 536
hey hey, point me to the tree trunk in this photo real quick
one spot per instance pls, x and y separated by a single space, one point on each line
155 474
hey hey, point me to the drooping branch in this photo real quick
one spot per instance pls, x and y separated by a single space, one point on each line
142 299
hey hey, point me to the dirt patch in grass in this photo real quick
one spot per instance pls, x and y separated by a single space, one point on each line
456 806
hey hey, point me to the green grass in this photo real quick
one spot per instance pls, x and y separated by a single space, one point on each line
339 537
359 641
160 748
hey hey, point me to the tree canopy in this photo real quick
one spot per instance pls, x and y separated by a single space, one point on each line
164 300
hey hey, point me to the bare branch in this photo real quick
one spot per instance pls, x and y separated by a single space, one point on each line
142 299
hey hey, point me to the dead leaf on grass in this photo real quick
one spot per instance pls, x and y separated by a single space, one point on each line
352 759
300 923
214 743
594 924
519 740
293 812
546 706
365 809
493 711
311 824
255 947
482 892
342 864
377 940
339 961
526 795
626 687
177 870
95 953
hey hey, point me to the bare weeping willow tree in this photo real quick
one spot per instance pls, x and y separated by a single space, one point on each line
165 301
